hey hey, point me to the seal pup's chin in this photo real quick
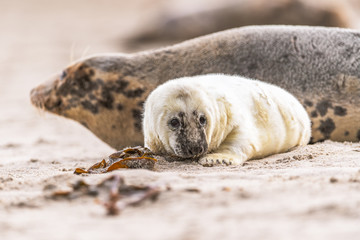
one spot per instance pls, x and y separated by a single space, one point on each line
191 151
180 156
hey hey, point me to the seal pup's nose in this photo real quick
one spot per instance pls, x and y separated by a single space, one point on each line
195 150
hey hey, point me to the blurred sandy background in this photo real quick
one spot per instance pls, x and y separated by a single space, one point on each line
310 193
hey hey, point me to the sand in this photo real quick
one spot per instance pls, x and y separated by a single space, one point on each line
309 193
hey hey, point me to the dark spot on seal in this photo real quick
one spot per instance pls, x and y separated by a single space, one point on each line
322 107
358 134
346 133
113 126
120 85
314 114
134 93
75 91
72 102
327 127
252 67
64 88
107 99
340 111
78 83
137 115
56 104
284 58
100 82
138 126
92 96
308 103
91 72
119 107
141 104
319 54
83 80
89 106
348 52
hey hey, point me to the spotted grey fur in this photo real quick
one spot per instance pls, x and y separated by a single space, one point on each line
320 66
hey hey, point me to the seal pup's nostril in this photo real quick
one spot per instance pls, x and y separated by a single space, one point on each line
190 152
201 150
195 150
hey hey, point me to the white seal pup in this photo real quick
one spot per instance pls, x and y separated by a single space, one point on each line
223 119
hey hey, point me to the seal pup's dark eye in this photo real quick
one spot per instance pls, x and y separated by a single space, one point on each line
174 123
202 120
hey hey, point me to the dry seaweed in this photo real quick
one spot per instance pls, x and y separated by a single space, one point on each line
122 195
113 193
136 157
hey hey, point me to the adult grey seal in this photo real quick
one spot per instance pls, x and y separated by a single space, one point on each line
176 22
319 66
225 123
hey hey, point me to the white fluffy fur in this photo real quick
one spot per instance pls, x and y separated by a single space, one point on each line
245 118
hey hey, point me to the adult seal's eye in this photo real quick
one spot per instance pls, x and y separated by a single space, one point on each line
63 75
202 120
174 123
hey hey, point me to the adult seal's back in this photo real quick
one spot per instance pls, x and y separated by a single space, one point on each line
320 66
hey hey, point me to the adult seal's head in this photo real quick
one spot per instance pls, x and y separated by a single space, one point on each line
101 93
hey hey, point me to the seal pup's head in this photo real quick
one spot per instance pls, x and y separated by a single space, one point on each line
177 119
